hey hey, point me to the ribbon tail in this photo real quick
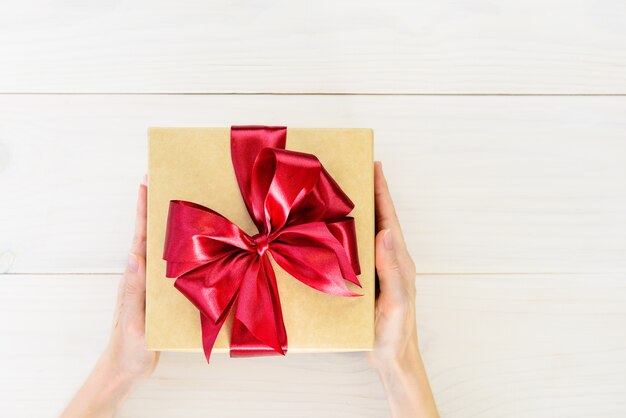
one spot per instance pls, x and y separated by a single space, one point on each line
214 290
211 329
258 328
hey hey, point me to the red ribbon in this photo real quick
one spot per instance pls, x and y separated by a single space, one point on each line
300 213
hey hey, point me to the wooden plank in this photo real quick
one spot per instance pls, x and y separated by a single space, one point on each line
482 184
494 346
354 46
525 345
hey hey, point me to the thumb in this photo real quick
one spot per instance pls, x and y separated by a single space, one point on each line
134 288
387 264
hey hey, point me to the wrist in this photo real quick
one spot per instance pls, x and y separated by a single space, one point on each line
118 379
102 393
114 385
405 362
406 383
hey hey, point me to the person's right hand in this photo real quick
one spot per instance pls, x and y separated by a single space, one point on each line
396 353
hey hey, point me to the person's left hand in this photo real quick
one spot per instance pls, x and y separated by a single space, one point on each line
125 362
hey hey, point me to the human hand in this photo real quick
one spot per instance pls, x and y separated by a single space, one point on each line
396 354
125 362
126 349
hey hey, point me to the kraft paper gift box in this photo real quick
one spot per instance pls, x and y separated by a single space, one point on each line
194 164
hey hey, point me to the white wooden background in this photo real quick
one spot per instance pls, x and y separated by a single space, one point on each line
502 128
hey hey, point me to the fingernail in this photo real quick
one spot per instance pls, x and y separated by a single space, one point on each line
133 265
388 240
145 180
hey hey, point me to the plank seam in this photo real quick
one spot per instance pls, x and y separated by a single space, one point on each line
97 93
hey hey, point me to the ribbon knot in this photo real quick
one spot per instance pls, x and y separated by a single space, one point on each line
261 243
297 207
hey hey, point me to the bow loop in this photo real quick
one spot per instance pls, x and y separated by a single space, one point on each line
196 235
310 253
281 180
246 142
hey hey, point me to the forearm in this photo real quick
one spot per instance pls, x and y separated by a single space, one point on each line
407 387
101 394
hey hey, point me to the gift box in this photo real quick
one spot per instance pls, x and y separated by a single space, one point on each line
193 186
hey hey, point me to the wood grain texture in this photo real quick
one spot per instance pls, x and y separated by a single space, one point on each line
286 46
514 207
494 346
525 345
58 325
482 184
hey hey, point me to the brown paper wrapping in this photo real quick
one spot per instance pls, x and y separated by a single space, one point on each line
194 164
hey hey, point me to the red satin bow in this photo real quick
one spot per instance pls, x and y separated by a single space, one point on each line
300 213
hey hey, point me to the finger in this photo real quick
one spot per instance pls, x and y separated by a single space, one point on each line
134 285
390 277
386 217
139 240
